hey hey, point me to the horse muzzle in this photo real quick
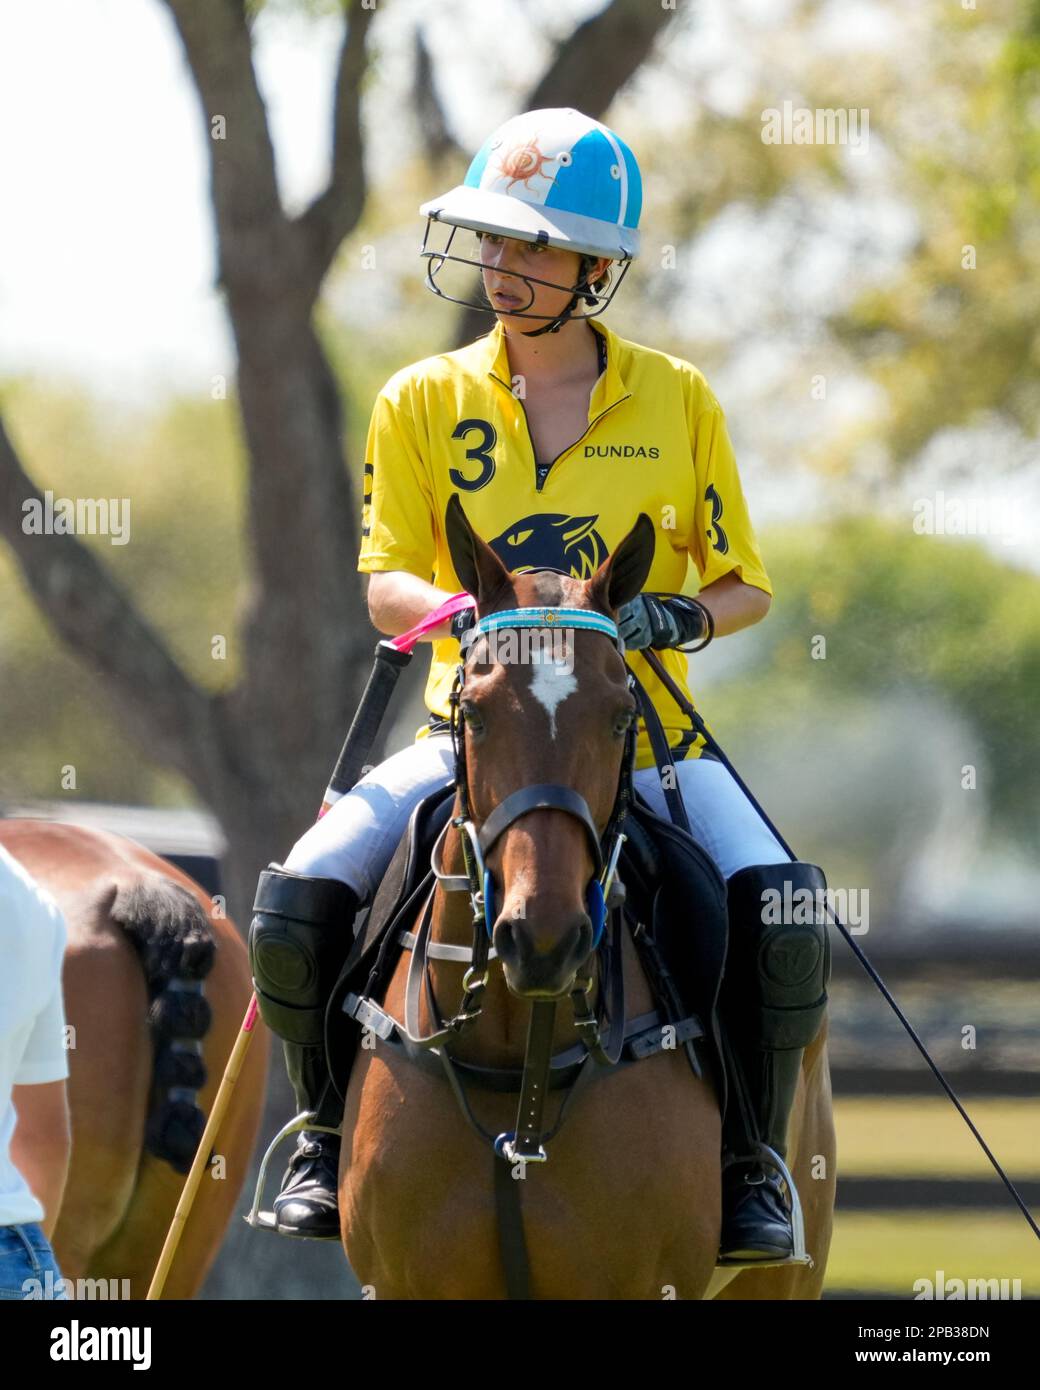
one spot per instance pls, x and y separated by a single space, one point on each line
541 952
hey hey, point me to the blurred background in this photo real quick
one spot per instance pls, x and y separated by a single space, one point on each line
208 267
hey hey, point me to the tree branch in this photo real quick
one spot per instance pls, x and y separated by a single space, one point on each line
438 142
301 629
253 232
165 710
592 65
335 212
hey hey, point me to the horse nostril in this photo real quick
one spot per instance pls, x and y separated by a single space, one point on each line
542 959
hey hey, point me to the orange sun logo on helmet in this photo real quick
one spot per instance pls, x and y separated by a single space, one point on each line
522 163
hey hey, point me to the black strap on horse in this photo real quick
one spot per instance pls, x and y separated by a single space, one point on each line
662 754
698 723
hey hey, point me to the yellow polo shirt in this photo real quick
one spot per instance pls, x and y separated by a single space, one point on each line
656 442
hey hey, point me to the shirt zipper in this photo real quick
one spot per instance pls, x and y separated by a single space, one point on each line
539 476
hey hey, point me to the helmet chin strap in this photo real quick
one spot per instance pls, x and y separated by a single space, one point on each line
557 323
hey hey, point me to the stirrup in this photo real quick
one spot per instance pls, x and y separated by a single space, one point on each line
267 1220
799 1255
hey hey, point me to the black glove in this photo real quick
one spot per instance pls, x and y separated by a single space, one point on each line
650 620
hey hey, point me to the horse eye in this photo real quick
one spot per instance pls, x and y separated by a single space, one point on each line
623 721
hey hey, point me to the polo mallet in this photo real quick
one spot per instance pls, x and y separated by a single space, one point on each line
392 655
698 723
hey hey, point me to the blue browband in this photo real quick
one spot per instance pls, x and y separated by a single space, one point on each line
549 618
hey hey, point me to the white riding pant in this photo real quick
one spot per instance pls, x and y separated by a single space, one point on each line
356 839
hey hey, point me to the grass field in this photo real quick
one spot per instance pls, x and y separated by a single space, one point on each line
920 1136
886 1251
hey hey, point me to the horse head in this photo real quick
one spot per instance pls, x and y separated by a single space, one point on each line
545 706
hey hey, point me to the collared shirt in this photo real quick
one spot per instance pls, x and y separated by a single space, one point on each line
656 442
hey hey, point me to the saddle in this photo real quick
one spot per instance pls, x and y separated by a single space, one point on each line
674 908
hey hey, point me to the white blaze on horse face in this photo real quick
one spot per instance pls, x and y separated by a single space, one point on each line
551 682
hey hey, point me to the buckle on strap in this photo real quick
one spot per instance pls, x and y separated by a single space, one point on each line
370 1016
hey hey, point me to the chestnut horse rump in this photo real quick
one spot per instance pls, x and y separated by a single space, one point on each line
675 908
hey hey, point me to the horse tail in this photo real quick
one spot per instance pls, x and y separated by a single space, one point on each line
174 940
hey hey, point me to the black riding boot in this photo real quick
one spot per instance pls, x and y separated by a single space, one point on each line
298 942
773 1000
306 1204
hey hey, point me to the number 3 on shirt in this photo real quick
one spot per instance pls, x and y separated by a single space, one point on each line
479 454
720 540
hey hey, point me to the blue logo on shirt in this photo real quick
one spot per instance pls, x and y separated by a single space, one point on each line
553 540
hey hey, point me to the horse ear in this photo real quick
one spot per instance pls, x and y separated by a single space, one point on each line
480 571
624 572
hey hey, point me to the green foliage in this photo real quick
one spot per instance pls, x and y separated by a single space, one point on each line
184 564
946 339
901 611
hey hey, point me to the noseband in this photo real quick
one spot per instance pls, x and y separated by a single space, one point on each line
552 796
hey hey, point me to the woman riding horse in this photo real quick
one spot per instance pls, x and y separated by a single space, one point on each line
556 438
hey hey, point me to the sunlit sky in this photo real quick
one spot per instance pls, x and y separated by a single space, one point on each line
106 248
106 238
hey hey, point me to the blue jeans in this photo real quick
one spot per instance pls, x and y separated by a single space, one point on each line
28 1268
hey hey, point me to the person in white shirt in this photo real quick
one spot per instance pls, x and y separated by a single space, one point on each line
35 1138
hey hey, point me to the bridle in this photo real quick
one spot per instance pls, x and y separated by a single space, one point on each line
602 893
476 844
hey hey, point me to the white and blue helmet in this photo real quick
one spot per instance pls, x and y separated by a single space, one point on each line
554 176
554 172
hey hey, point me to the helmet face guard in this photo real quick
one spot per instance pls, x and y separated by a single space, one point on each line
448 283
552 177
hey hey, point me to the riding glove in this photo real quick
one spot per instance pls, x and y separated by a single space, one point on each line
648 621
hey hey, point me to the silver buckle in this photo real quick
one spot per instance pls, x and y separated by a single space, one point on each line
370 1016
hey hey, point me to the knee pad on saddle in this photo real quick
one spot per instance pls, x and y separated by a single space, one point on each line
778 962
298 941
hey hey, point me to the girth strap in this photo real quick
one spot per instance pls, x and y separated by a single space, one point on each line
644 1037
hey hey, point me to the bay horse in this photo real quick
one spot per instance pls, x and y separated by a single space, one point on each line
629 1204
142 938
